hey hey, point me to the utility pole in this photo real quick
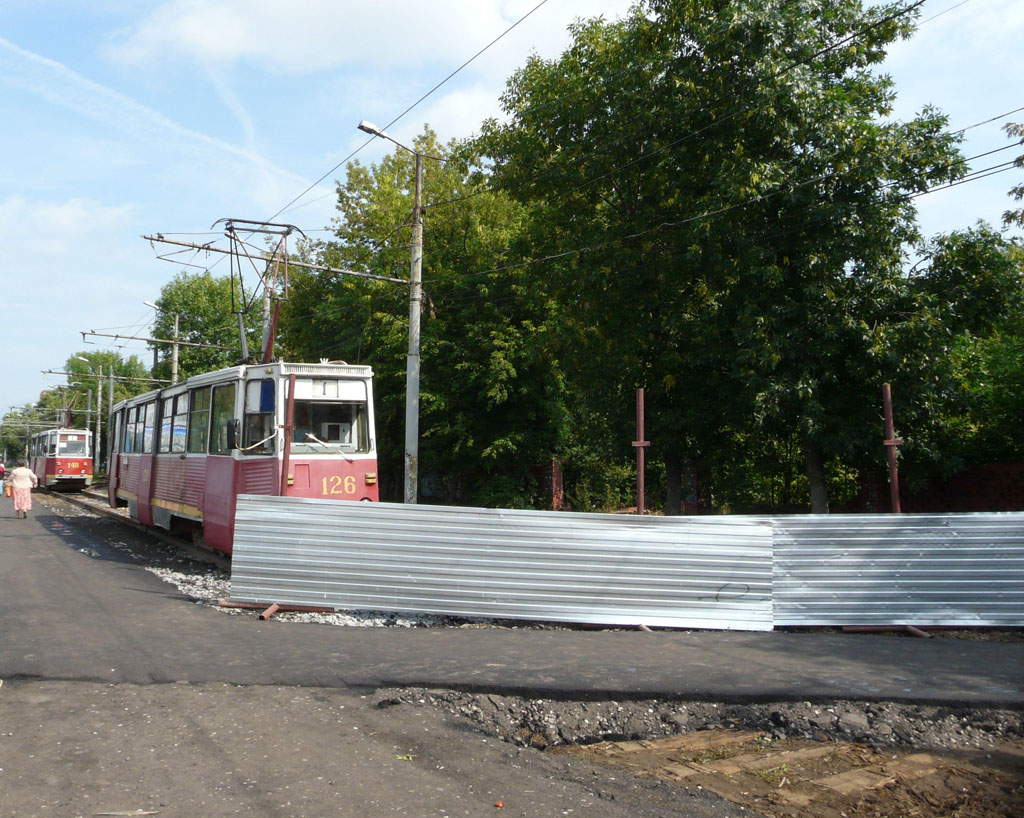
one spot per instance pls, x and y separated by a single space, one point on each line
174 351
98 435
412 369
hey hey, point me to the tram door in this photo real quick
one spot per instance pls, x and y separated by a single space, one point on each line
219 497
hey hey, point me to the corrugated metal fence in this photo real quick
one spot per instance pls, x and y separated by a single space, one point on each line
747 573
881 569
589 568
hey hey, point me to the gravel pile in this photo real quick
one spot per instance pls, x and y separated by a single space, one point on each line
542 723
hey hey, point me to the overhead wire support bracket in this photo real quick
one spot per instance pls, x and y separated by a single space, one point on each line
260 227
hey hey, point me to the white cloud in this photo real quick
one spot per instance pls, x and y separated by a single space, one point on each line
49 229
322 34
312 36
59 85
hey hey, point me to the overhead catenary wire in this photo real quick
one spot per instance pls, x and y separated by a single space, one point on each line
781 72
402 114
704 215
399 227
411 107
860 32
718 211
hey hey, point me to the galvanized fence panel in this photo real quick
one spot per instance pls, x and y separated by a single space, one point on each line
885 569
508 564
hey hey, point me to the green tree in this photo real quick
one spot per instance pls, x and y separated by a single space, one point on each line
19 423
723 205
975 286
207 308
130 374
69 404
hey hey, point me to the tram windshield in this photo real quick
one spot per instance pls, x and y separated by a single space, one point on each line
328 427
73 446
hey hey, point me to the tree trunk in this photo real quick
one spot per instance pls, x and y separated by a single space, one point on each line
673 482
816 476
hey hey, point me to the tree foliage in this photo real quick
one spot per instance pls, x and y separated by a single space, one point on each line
74 404
709 199
724 204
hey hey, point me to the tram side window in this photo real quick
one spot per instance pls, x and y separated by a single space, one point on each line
166 419
259 428
129 430
199 420
132 440
115 424
223 412
140 415
179 427
173 423
149 428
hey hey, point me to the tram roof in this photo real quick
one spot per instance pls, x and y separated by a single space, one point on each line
279 368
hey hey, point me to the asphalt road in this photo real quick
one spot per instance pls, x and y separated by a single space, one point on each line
119 694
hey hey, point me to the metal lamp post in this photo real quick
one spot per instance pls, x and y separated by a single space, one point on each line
412 367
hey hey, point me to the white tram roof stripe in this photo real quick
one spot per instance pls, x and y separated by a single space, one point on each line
277 369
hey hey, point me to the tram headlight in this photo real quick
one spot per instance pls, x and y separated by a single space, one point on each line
60 471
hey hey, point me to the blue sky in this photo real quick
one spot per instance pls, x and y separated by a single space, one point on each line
130 117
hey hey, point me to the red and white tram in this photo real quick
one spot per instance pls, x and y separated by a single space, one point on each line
182 454
61 458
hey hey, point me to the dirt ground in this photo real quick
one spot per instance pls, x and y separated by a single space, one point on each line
837 759
798 778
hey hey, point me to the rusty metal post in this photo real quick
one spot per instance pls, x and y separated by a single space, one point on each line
639 444
891 442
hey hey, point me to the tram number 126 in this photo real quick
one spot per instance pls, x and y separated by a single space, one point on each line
336 484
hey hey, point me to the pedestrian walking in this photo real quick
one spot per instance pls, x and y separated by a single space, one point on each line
22 481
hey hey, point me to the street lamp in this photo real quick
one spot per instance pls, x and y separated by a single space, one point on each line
412 365
174 344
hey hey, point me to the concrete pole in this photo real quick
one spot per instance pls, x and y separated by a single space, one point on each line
412 370
99 414
174 352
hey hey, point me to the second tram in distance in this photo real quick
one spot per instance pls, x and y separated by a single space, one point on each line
181 455
61 458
